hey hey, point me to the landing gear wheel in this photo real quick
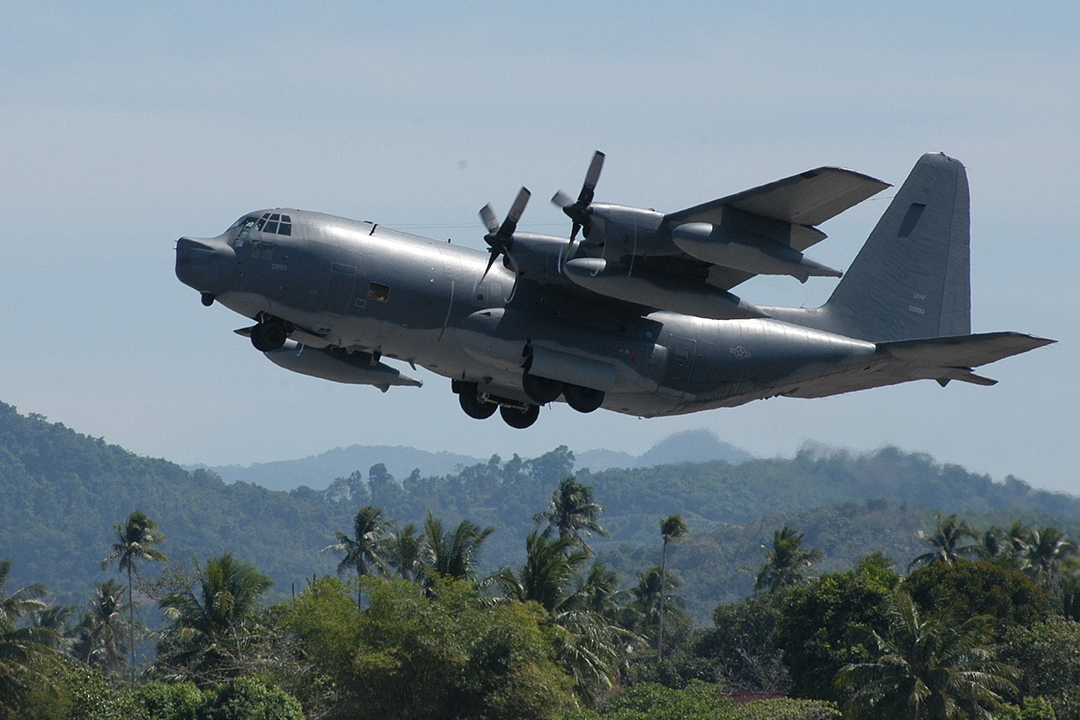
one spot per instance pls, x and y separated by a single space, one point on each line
541 390
519 418
583 399
471 403
269 335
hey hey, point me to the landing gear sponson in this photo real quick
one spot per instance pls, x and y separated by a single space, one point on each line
520 415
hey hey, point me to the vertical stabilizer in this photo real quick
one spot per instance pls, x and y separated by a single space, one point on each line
911 279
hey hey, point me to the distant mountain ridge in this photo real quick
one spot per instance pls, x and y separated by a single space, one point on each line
318 471
694 446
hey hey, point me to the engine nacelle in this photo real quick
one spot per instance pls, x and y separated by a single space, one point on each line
641 286
628 231
745 246
537 257
339 365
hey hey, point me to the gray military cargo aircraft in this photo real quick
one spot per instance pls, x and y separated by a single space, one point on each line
636 316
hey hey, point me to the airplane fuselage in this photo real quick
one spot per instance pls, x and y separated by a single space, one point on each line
363 287
636 317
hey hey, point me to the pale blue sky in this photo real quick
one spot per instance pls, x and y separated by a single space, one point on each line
122 130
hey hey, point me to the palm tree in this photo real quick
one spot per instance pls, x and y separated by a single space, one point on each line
587 643
925 669
786 563
25 652
403 551
572 512
135 541
672 529
599 592
363 550
210 618
1048 554
545 577
100 635
947 542
996 545
454 553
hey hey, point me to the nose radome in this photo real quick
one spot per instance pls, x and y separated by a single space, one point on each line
186 243
198 263
213 245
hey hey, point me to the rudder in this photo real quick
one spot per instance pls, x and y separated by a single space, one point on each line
911 280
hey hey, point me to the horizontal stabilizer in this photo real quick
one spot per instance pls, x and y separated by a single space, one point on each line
970 377
942 359
810 198
964 351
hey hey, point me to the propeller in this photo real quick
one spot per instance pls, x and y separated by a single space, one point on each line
578 210
500 238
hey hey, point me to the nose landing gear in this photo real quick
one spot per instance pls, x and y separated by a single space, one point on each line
269 334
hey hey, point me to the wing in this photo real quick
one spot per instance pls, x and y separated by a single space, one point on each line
687 261
806 200
765 230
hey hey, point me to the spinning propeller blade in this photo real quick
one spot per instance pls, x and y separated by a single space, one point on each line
500 238
578 210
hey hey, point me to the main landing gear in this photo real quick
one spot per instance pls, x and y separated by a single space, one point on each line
482 406
520 415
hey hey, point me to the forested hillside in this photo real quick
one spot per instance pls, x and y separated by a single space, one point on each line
493 592
61 493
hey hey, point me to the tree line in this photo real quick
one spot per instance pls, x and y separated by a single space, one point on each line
983 624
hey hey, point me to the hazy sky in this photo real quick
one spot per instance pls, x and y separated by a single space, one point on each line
122 129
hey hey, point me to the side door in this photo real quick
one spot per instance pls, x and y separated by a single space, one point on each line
680 365
339 289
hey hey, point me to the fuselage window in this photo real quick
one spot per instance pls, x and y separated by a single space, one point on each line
271 227
378 291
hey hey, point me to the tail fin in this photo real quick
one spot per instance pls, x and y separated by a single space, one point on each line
912 277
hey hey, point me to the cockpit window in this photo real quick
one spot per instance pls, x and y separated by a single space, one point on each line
275 223
245 224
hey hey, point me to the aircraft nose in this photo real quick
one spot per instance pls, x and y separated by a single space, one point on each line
198 263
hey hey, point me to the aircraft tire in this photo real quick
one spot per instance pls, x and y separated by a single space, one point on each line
269 335
519 418
541 390
583 399
471 403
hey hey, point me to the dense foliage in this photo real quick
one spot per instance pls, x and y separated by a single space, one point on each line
463 597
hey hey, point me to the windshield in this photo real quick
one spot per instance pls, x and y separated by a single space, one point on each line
244 224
